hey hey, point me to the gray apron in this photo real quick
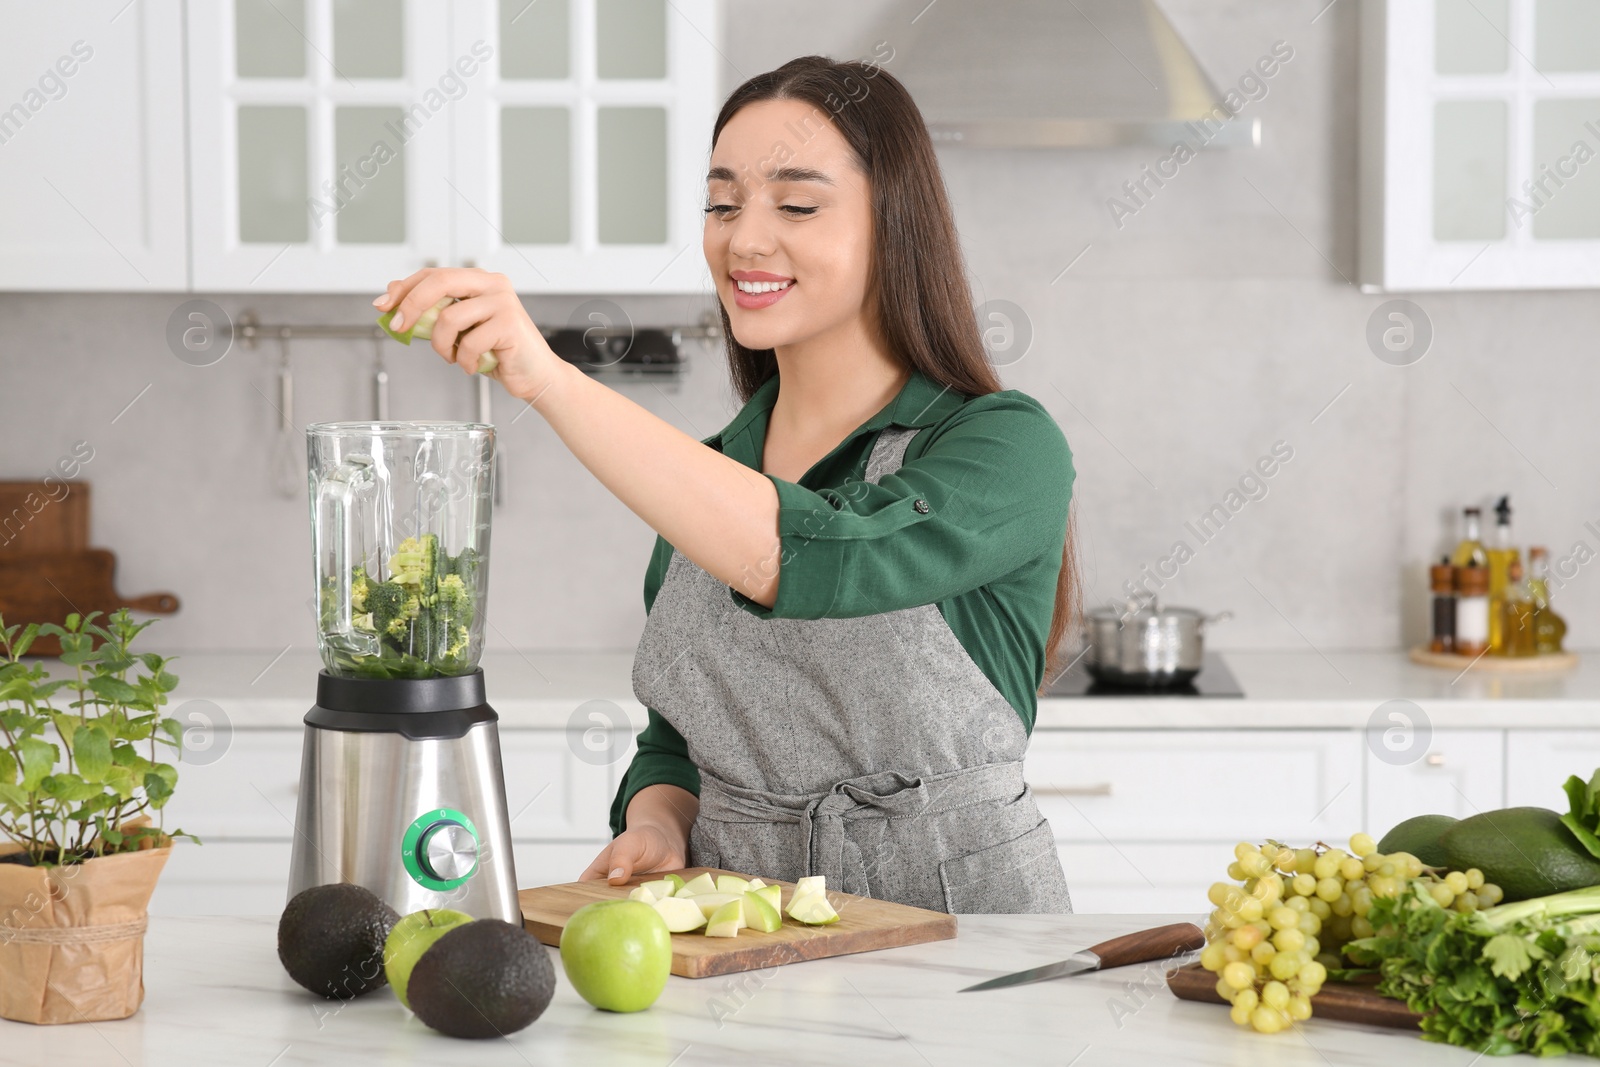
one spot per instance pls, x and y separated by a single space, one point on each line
871 750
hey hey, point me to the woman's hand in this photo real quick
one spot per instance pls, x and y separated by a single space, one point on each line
487 316
638 851
656 837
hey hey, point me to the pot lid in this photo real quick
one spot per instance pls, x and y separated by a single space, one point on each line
1142 610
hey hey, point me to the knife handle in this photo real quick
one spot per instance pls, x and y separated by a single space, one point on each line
1160 943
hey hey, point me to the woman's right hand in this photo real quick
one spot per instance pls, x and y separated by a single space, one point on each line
487 316
639 851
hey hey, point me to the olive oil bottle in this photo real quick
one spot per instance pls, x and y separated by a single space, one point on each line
1517 623
1548 628
1502 554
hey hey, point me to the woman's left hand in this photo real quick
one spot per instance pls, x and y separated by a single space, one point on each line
486 316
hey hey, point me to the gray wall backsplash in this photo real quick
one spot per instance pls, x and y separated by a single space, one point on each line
1180 348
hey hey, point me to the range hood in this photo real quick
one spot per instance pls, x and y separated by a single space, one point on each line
1061 74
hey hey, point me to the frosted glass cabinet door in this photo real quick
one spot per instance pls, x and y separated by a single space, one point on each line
1480 122
320 141
92 179
596 123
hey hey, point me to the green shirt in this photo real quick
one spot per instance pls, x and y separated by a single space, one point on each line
974 521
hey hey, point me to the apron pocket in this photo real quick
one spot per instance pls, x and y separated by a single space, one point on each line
1019 876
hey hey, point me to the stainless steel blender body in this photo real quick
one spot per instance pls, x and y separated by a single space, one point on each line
401 785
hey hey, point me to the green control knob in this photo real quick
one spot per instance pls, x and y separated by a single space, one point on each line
440 849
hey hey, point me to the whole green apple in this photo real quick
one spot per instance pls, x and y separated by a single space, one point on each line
617 954
410 938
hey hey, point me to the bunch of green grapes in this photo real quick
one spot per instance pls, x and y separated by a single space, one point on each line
1273 938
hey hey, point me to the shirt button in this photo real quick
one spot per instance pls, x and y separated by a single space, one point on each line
921 506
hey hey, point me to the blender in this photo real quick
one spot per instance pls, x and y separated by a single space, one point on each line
401 785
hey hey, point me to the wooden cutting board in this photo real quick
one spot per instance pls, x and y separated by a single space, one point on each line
864 924
1337 1000
36 517
46 587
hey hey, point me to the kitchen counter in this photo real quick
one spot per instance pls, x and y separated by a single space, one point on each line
216 995
270 689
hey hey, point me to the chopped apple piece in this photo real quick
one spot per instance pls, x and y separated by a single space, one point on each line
813 909
700 883
710 902
661 889
772 894
680 915
759 914
642 892
815 883
726 920
731 883
755 883
677 881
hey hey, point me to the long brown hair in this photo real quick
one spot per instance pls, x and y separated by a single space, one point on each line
924 307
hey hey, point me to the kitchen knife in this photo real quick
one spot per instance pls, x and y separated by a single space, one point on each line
1161 943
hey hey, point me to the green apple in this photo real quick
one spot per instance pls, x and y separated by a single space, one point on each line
815 883
410 938
813 909
726 920
772 894
700 883
710 902
731 883
677 882
759 914
681 914
662 888
617 954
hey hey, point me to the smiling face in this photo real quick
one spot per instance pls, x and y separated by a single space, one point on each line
788 204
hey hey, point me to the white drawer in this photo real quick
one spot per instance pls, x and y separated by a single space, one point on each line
553 862
224 878
1144 878
1198 785
250 790
1461 773
1538 762
551 792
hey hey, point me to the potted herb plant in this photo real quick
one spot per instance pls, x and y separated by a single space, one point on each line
81 781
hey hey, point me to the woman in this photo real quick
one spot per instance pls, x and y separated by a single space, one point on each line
857 581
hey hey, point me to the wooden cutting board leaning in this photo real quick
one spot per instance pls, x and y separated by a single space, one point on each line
47 570
864 924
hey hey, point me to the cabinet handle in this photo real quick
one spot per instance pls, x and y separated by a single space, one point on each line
1436 759
469 263
430 263
1098 789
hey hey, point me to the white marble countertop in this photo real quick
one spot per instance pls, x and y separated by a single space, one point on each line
543 690
216 995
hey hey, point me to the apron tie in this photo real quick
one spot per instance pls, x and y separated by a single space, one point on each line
882 795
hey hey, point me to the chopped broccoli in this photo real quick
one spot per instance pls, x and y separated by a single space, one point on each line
422 615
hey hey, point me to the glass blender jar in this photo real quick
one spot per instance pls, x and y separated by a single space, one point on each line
401 784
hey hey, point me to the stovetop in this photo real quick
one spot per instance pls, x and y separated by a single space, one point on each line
1214 680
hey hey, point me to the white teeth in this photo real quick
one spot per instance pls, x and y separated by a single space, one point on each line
763 287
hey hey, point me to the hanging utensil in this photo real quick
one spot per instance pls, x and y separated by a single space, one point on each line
1163 942
486 416
287 474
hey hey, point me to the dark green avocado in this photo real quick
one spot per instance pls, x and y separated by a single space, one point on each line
330 940
486 978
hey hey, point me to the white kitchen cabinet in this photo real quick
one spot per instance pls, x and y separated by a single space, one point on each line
1538 762
92 191
250 792
551 793
1480 126
337 144
224 878
1143 877
1197 785
1461 773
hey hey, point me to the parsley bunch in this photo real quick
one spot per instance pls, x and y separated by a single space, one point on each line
1521 977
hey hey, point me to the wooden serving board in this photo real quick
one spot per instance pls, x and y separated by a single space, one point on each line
47 587
864 924
1550 661
1346 1002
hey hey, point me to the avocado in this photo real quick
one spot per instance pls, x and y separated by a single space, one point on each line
1420 837
330 939
1527 852
485 978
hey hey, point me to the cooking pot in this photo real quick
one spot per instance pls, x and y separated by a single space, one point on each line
1144 645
